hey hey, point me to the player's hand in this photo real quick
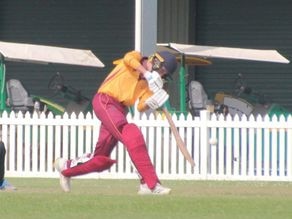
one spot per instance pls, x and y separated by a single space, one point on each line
157 99
154 80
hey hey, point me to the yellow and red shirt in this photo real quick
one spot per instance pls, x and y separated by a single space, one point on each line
125 84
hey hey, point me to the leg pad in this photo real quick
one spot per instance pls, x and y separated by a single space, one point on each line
96 164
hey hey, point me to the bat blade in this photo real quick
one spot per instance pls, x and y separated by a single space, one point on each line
180 143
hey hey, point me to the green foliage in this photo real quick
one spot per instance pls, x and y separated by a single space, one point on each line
42 198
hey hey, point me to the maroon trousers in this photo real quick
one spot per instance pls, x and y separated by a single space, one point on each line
114 128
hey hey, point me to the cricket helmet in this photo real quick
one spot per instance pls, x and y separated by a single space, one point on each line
164 59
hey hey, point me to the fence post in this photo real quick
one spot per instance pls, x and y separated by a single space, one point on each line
204 143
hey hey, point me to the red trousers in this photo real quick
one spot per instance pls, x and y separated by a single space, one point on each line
114 128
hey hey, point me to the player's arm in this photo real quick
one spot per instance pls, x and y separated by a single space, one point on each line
133 59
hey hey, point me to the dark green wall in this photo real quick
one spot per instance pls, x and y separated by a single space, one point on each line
107 28
248 24
104 26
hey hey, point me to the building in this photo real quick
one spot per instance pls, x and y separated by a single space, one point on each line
107 27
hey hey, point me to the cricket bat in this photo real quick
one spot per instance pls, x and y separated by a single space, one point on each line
180 143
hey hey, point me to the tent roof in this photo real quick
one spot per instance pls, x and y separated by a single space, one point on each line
209 52
48 54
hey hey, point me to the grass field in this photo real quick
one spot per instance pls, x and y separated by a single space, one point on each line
42 198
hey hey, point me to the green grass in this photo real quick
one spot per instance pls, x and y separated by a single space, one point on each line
42 198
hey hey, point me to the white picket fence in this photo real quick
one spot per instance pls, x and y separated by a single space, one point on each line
222 148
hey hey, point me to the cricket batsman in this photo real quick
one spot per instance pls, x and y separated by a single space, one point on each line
134 78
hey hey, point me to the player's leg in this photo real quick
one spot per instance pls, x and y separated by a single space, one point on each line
106 142
2 162
4 184
136 147
111 113
113 117
88 163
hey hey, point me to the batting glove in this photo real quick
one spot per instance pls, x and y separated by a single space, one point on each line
154 80
157 99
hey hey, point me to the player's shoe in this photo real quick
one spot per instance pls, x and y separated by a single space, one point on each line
65 182
158 190
7 186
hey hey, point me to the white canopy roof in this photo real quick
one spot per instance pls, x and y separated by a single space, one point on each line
228 53
48 54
